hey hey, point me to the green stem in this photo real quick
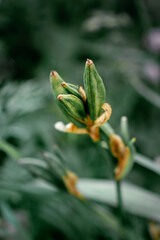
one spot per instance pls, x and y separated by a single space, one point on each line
109 219
119 200
107 130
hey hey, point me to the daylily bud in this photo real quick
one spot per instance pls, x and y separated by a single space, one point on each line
95 90
74 108
71 88
56 81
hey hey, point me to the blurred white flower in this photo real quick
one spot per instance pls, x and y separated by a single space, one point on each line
101 19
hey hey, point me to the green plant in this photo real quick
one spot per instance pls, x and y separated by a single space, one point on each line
88 113
46 187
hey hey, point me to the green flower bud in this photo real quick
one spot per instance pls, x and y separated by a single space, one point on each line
56 81
71 89
95 90
73 108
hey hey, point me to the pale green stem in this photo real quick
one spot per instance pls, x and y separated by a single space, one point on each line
119 200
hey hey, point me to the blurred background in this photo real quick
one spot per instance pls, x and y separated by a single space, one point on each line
123 40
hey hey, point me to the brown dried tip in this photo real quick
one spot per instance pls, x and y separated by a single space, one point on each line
63 84
89 62
60 97
53 73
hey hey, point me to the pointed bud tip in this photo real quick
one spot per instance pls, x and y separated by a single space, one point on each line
124 118
53 74
60 97
89 62
63 84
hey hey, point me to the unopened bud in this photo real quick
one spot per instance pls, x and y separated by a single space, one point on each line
56 81
73 108
73 89
95 90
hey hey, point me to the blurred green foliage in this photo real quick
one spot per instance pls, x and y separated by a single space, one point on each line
122 38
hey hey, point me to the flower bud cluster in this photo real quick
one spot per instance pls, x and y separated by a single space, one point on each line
85 108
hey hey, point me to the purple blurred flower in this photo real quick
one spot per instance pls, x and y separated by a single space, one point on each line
152 72
152 40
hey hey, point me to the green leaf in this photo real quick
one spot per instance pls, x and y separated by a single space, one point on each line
8 215
34 162
35 187
136 200
108 218
9 150
11 218
147 163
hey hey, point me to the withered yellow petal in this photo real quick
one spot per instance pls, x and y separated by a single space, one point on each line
105 116
70 128
70 180
122 153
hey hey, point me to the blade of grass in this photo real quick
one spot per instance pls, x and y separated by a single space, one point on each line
147 163
9 149
136 200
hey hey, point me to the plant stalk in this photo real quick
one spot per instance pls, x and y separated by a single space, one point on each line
119 200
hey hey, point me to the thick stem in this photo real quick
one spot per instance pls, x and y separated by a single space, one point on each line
119 200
